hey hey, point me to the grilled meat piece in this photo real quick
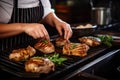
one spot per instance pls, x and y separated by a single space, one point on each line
60 42
22 54
45 46
90 41
39 65
76 49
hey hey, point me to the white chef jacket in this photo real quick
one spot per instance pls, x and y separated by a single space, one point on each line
6 8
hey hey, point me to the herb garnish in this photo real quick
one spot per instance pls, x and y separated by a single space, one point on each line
106 39
73 46
55 58
45 41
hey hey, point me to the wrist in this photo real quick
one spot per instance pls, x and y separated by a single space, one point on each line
22 26
57 21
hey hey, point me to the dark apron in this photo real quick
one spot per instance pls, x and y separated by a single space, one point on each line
25 15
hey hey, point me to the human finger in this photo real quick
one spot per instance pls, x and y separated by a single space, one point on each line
68 32
46 35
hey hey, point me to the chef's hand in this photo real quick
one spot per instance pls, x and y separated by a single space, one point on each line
66 28
36 30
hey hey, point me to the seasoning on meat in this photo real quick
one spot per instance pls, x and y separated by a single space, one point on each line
39 65
45 46
22 54
76 49
60 42
90 41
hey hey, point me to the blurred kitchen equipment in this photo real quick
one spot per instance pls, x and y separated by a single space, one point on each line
101 15
86 31
115 11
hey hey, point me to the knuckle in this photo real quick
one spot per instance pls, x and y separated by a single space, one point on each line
42 36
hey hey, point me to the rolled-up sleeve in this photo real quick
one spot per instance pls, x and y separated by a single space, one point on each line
6 8
47 7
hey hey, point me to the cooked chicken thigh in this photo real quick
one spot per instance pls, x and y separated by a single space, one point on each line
40 65
90 41
22 54
76 49
45 46
60 42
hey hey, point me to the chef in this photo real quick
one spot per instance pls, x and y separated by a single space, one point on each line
21 20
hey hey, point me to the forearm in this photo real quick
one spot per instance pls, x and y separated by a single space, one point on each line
4 35
7 30
14 27
32 29
51 19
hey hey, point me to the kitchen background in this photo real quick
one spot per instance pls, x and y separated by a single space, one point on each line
80 11
102 63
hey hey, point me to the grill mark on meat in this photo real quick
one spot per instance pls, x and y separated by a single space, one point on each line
40 65
45 46
22 54
78 50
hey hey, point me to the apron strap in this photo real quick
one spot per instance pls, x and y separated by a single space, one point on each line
15 11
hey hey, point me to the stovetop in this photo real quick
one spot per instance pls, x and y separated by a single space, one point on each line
113 27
